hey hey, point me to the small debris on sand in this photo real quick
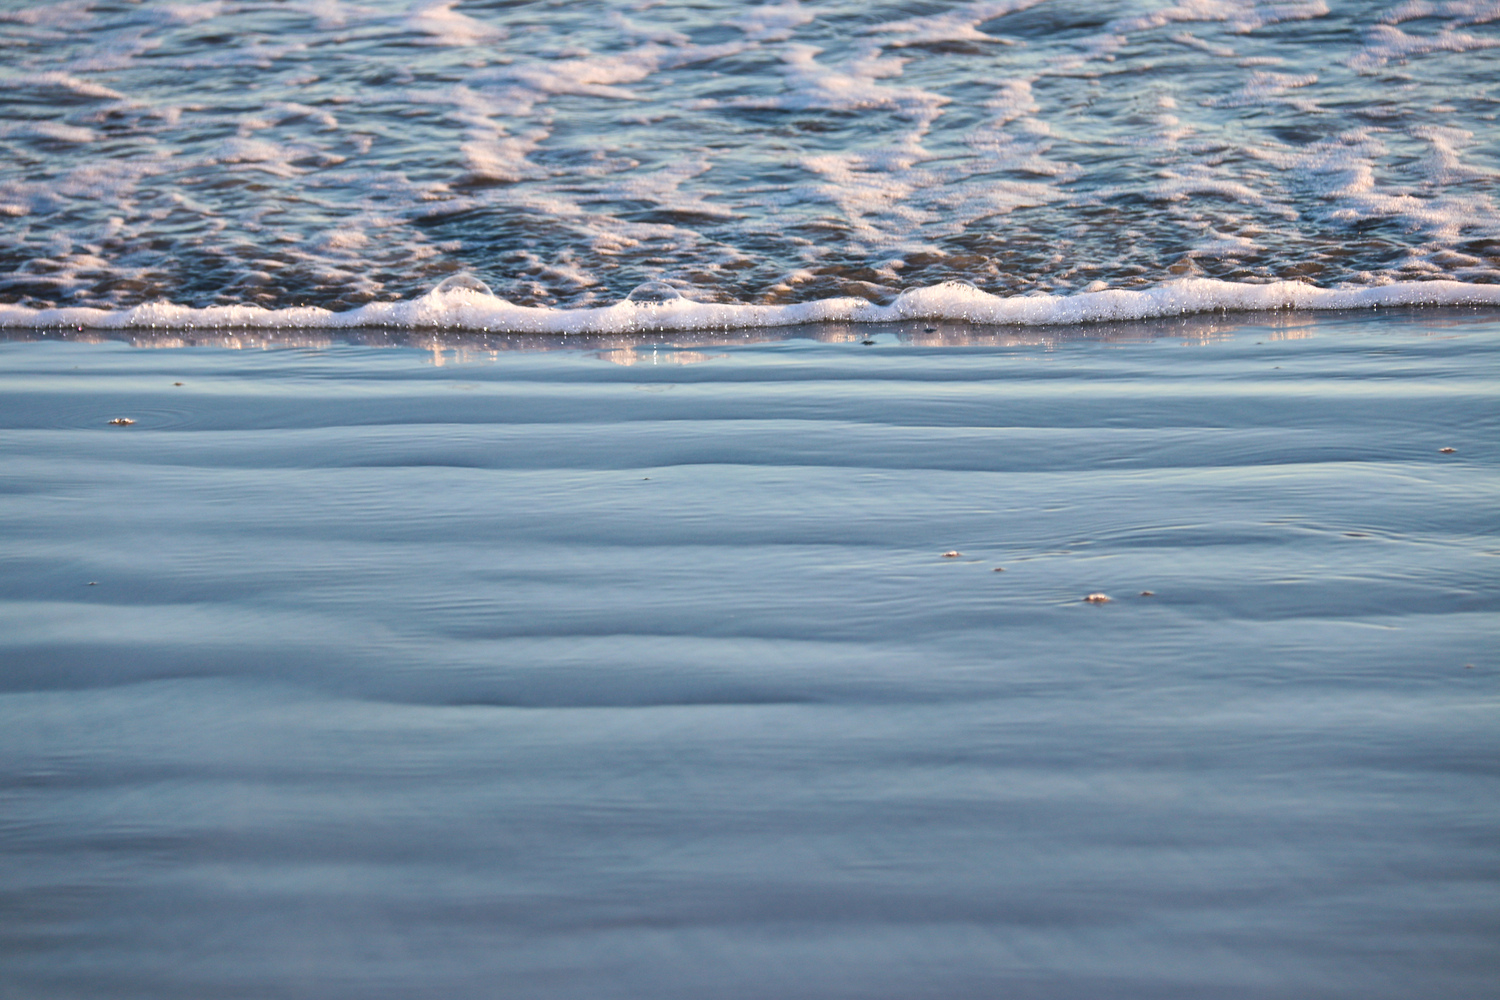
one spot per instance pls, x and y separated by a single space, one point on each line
952 554
1148 593
1097 598
1447 451
121 422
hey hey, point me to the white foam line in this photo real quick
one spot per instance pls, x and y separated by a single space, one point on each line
465 309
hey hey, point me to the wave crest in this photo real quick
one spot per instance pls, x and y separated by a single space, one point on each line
464 303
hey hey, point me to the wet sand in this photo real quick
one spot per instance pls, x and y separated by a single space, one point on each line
385 665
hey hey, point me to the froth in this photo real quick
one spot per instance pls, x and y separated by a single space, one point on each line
338 152
464 303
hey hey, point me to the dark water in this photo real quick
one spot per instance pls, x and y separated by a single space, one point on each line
341 673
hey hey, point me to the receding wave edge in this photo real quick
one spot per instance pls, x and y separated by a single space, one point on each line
469 306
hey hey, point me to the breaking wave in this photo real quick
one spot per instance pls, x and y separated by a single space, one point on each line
464 303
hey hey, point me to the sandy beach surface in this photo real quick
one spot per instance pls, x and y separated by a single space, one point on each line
386 665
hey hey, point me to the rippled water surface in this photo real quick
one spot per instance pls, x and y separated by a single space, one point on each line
393 665
336 153
480 585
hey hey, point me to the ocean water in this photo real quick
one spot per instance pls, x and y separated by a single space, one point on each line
576 500
809 159
392 665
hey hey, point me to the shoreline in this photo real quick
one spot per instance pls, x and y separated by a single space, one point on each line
464 303
1205 328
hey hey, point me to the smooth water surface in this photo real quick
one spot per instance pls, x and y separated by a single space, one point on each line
383 667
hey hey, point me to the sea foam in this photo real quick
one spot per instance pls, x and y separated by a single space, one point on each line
464 303
339 152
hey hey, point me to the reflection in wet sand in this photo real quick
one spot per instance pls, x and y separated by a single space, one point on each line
469 347
460 354
653 354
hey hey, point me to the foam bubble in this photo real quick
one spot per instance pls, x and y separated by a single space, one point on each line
653 293
463 283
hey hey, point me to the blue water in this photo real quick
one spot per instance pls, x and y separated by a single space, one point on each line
392 665
597 625
334 153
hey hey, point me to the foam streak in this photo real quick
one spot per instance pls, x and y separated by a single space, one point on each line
465 309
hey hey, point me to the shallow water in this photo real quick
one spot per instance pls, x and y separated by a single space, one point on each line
331 153
393 664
